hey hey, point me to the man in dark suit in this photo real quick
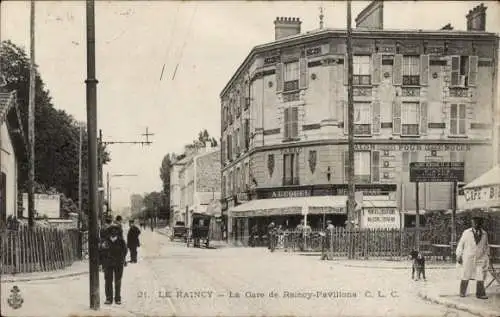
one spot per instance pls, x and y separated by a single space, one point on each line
133 241
113 261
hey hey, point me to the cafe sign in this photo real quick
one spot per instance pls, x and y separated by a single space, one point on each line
482 197
376 218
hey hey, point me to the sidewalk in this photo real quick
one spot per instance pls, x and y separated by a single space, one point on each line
446 293
76 269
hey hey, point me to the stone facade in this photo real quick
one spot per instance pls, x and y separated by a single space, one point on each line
199 182
419 96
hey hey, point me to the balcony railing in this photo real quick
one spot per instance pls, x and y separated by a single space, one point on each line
409 129
361 80
411 80
362 129
291 85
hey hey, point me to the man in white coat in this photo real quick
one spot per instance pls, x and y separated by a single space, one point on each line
473 257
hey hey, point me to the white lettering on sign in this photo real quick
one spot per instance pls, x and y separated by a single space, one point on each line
483 193
413 147
381 218
291 193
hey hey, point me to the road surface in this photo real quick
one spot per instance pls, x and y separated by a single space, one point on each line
171 279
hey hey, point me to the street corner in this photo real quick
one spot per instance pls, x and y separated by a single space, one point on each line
469 304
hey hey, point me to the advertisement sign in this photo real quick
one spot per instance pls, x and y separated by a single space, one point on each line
377 218
428 172
482 197
45 205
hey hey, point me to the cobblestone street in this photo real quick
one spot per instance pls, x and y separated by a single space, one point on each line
171 279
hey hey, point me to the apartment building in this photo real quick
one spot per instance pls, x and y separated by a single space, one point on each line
419 95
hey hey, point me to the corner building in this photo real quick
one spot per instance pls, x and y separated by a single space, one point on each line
418 96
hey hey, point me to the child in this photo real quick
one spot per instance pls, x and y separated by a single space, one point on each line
418 265
413 257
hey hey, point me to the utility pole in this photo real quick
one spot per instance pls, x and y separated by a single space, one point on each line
100 151
31 121
80 169
350 122
108 211
91 83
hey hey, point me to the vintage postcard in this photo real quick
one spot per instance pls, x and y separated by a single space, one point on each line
249 158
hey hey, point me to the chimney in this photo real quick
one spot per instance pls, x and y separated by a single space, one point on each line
284 27
476 19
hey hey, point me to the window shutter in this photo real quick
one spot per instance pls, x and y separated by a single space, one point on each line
242 98
303 73
247 133
295 122
396 117
375 166
285 159
243 139
455 70
229 147
346 69
279 77
376 117
223 150
473 60
376 68
297 170
346 117
423 117
397 70
424 70
345 162
287 123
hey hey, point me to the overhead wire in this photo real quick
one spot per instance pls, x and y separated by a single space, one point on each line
186 38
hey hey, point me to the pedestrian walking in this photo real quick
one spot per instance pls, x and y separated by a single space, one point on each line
113 263
473 257
119 220
133 241
270 236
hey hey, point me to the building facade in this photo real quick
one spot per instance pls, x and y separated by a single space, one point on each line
176 212
13 149
199 182
418 96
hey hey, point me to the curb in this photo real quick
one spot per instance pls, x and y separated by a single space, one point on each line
396 267
42 278
436 299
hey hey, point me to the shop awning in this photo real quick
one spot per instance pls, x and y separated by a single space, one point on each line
491 177
290 206
483 193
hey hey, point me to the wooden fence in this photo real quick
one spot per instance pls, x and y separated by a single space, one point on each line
40 249
392 244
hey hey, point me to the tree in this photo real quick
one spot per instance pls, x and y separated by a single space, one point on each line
203 137
57 132
165 178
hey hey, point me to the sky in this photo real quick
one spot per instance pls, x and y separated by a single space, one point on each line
202 42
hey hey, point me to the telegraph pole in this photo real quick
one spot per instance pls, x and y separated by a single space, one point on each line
100 151
350 122
31 121
91 83
80 169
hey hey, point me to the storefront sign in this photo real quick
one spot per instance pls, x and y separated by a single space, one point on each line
437 171
411 147
324 190
290 194
380 218
291 150
487 193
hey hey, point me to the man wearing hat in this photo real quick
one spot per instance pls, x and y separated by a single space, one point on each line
113 261
473 256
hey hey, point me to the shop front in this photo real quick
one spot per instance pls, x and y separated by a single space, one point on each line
316 204
484 192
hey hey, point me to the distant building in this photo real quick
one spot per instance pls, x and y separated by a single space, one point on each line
176 213
198 182
13 144
418 96
136 204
